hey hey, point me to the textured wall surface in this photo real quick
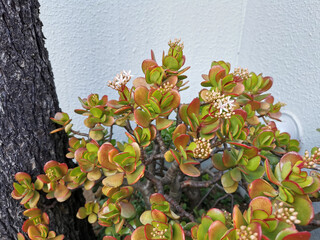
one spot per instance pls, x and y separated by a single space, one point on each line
91 41
282 39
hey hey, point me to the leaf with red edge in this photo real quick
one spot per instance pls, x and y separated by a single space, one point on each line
241 112
175 155
22 176
230 234
20 236
228 159
136 175
261 203
35 232
109 238
169 157
268 82
142 118
238 219
303 206
240 145
260 187
292 157
264 140
26 225
314 187
189 170
298 236
114 104
270 174
127 209
183 113
61 192
293 186
50 164
34 200
32 212
227 180
43 178
256 228
194 231
122 110
217 214
146 217
27 197
115 180
232 188
163 123
182 141
175 102
148 63
104 156
210 128
157 198
202 232
216 73
171 62
85 165
216 230
218 163
238 89
285 232
178 233
141 95
18 191
158 216
194 107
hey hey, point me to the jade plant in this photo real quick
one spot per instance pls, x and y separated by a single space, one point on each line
164 181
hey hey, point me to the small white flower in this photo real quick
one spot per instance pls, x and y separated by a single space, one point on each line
225 104
120 80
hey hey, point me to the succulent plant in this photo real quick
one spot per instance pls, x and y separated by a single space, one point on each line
25 190
159 183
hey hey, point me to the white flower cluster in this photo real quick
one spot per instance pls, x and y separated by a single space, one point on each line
313 160
222 103
287 214
241 72
158 233
203 148
225 107
246 233
175 43
212 96
166 87
120 80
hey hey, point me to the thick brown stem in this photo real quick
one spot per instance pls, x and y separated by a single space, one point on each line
170 174
183 213
175 189
196 184
163 147
156 182
146 190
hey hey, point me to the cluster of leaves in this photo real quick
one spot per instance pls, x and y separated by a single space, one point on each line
225 138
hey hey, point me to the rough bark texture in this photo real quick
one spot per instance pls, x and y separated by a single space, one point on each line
27 101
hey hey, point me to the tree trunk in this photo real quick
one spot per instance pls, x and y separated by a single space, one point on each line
27 101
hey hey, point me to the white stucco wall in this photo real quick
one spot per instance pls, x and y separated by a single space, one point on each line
90 41
282 39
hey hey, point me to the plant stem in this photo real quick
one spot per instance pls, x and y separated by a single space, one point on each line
155 181
79 133
183 212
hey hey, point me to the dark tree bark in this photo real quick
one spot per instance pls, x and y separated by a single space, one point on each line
27 101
